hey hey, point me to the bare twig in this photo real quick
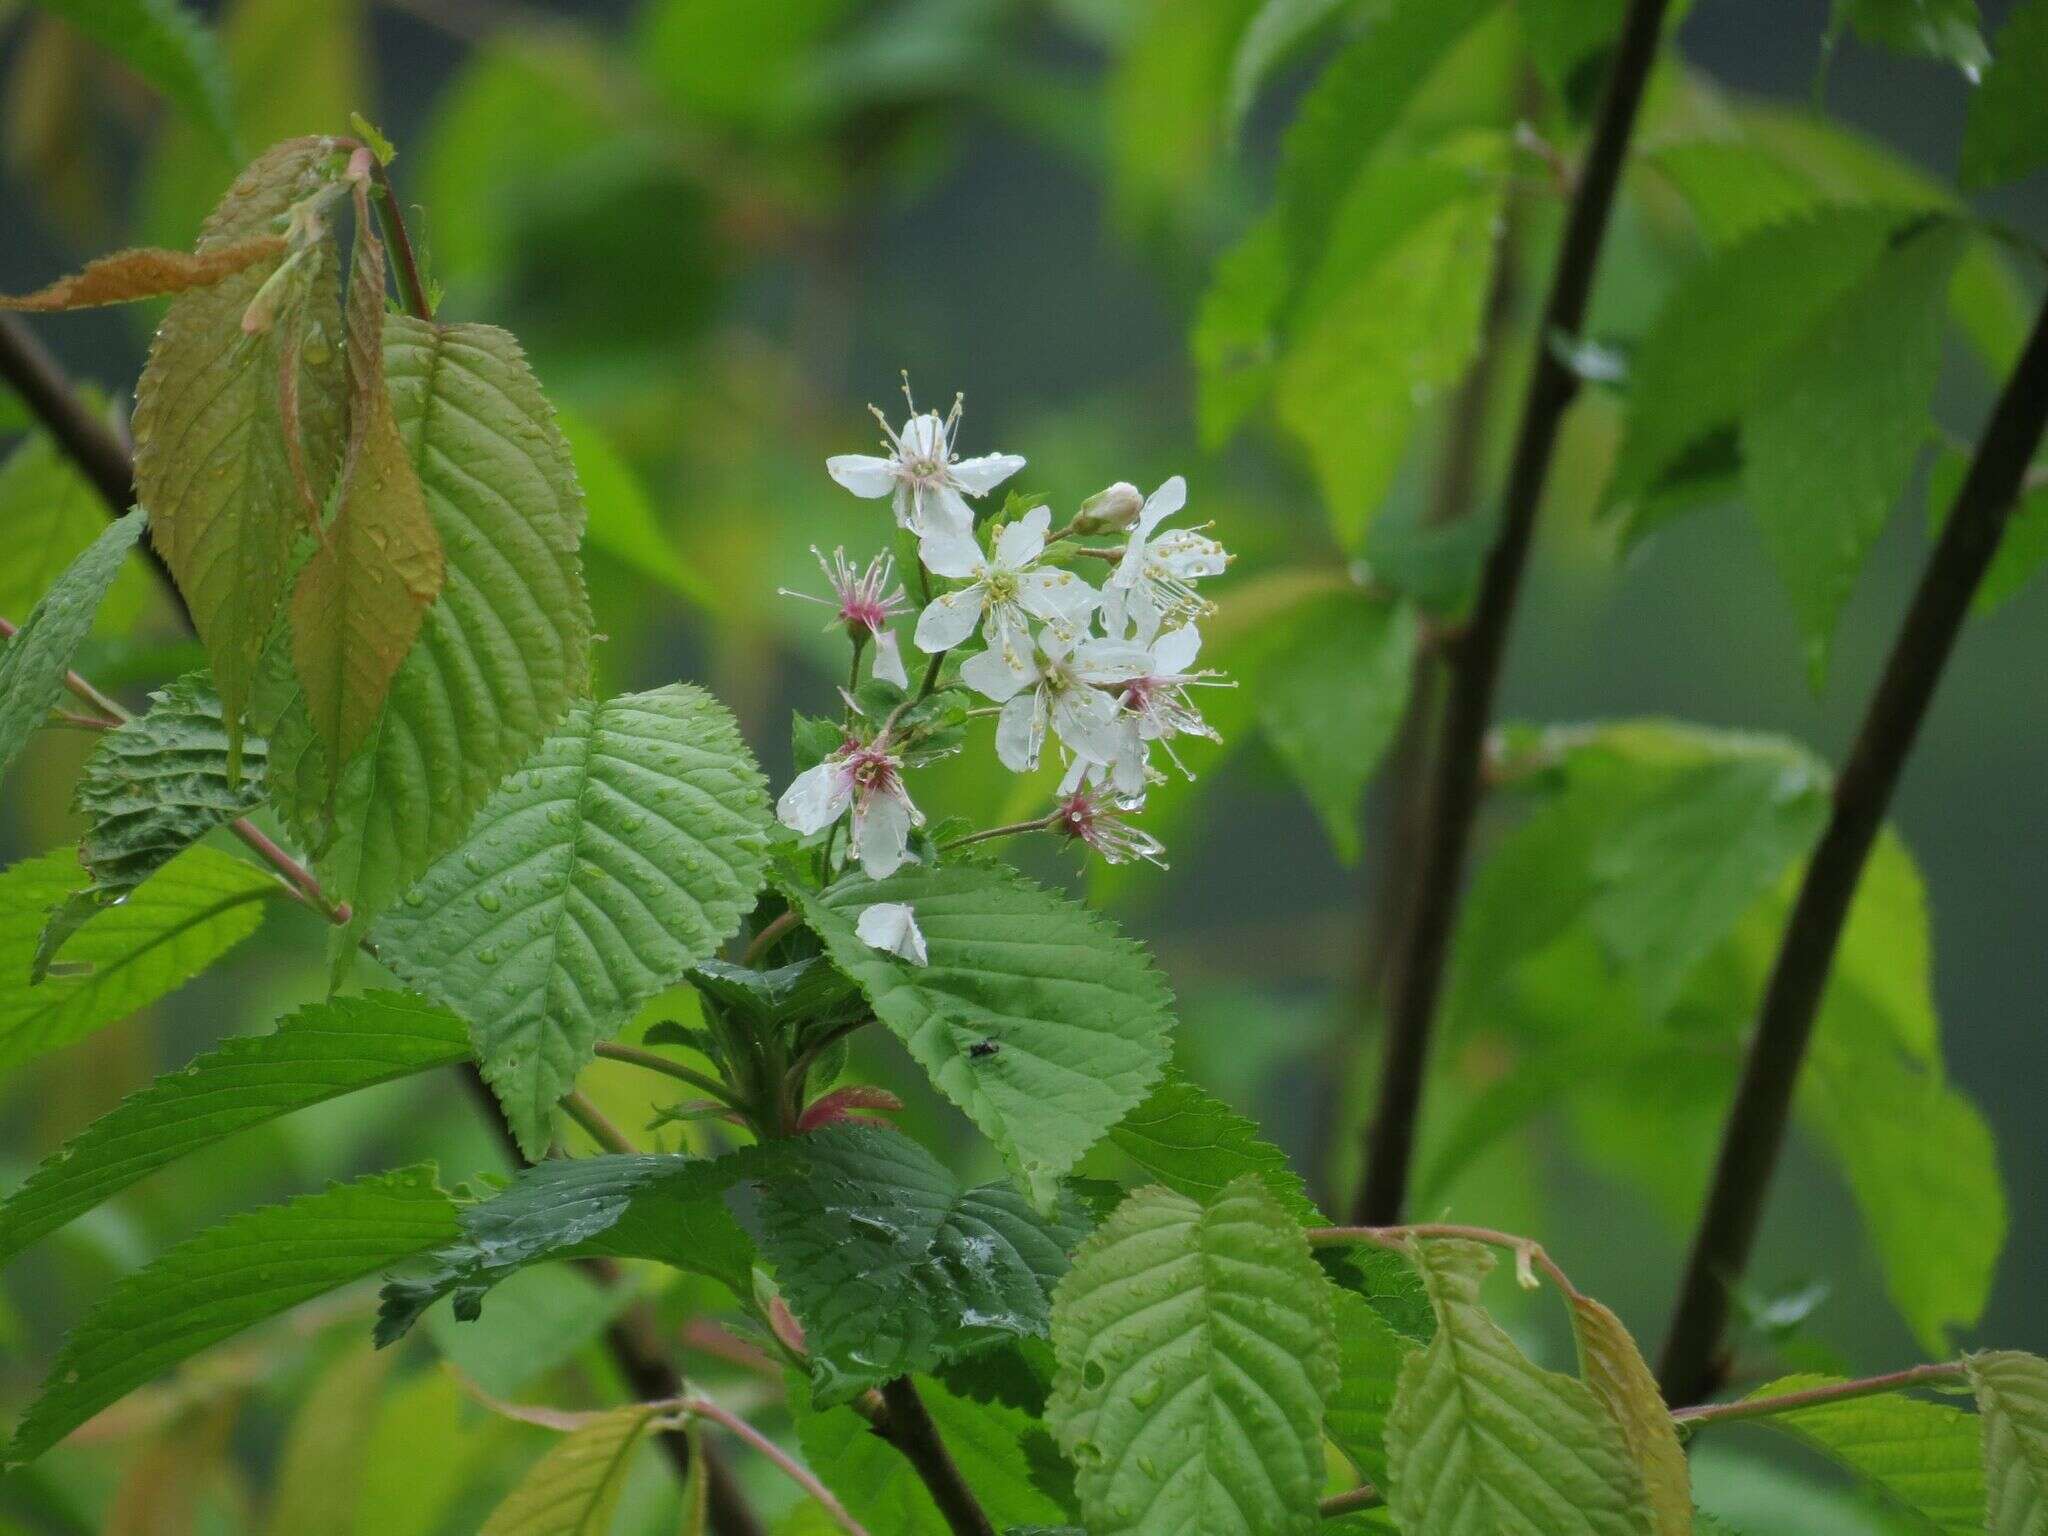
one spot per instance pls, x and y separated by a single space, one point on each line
1755 1130
1834 1392
1473 658
902 1419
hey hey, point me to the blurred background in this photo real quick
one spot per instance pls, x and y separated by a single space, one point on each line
721 228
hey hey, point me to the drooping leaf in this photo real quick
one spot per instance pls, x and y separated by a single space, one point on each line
230 1277
1075 1011
214 441
505 647
1192 1142
2012 1401
1332 697
1924 1457
1838 422
1947 30
2021 553
1195 1352
1370 1352
891 1266
2006 135
33 664
573 1490
659 1207
126 276
363 595
174 926
1613 1367
168 46
321 1052
1480 1439
622 854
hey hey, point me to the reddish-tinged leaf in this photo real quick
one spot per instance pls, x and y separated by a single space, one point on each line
126 276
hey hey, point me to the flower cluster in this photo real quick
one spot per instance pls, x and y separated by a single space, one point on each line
1101 672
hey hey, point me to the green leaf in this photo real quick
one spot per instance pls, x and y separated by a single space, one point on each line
1947 30
2012 1399
325 1453
1331 698
51 512
1838 423
1165 105
215 421
1278 29
33 665
1195 1351
158 783
1370 1352
622 854
1234 340
1481 1440
168 46
660 1207
505 647
1077 1013
892 1267
321 1052
2006 135
2024 549
1184 1137
230 1277
1004 1454
573 1490
1614 1368
363 594
1722 325
622 520
187 916
1923 1457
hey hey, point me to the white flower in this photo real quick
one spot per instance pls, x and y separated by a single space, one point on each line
1157 700
1103 825
1006 591
921 473
871 783
863 605
1061 689
1154 582
891 926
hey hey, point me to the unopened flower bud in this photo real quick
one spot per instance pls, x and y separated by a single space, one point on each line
1110 511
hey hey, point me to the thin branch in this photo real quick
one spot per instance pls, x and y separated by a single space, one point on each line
1755 1130
770 932
1527 1251
1364 1496
410 288
903 1420
1836 1392
595 1125
795 1470
634 1056
1016 828
1473 658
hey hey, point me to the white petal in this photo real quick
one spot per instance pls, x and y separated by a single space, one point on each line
889 659
1188 554
891 926
952 553
881 835
941 510
905 504
1058 597
977 477
1024 540
1110 661
1020 731
949 619
924 437
1086 721
1008 633
1162 504
863 473
1127 770
989 675
1115 610
815 799
1176 652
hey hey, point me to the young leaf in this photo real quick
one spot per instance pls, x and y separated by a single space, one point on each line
216 446
1480 1439
193 911
1195 1352
2006 135
573 1490
228 1278
664 1208
891 1266
1925 1457
1184 1137
2012 1401
1614 1368
322 1052
506 645
168 46
33 664
1076 1013
1838 422
622 854
363 595
126 276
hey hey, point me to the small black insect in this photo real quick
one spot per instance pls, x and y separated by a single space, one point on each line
982 1048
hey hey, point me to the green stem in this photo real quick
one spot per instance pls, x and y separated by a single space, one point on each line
634 1056
410 288
761 941
1364 1496
1042 824
599 1129
1396 1237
